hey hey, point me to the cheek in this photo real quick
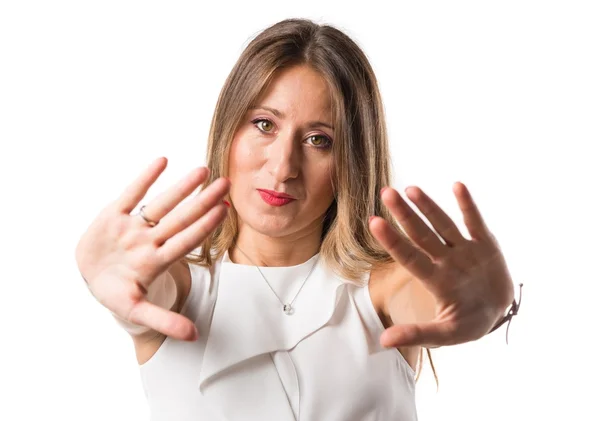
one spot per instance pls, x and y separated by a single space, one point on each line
245 163
242 158
320 181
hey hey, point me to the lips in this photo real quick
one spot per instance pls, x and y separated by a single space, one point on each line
275 198
277 194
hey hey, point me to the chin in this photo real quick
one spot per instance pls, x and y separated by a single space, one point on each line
274 225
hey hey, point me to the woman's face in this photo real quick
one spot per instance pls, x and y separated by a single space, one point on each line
281 157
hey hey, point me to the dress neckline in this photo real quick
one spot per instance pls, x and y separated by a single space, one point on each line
227 260
248 320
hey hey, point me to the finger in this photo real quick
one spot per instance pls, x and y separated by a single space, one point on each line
401 249
169 199
164 321
471 215
414 226
440 221
135 191
189 239
427 334
184 216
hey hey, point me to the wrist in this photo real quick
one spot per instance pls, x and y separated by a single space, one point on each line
512 311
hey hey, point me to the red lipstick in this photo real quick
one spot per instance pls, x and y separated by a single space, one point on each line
274 198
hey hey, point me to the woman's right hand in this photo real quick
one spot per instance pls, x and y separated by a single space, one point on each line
121 254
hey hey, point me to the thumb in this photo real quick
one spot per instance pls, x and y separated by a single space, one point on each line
429 334
164 321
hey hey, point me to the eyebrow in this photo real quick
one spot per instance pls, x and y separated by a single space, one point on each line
279 114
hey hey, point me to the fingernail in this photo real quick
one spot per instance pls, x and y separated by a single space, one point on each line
371 218
227 203
382 190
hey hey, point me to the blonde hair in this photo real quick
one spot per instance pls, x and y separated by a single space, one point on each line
361 152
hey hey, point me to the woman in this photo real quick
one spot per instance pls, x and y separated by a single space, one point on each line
304 300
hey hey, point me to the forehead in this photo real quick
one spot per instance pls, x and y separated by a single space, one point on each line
298 92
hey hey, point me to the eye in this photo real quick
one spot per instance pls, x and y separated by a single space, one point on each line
319 141
263 124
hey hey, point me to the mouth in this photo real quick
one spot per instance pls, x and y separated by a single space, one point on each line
274 198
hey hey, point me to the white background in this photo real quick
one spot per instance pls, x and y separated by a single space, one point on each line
504 96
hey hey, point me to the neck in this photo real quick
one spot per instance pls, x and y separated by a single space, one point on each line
262 250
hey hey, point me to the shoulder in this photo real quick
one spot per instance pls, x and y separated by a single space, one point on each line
189 279
399 296
191 274
391 288
181 273
384 282
194 279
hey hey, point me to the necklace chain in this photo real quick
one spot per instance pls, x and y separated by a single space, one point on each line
287 308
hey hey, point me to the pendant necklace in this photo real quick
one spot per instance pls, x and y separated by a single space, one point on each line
288 308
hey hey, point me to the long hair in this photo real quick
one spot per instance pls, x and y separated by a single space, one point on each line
361 152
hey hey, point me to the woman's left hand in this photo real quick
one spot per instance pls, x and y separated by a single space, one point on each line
468 278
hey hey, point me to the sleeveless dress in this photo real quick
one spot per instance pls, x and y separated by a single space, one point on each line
253 362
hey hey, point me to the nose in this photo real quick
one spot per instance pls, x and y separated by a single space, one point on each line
284 157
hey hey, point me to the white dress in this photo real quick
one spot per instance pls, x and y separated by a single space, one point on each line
253 362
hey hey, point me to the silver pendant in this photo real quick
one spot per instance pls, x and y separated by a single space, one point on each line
288 309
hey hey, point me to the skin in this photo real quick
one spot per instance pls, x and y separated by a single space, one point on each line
442 289
284 144
278 148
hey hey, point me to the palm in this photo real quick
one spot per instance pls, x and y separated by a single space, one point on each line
120 255
118 291
468 278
